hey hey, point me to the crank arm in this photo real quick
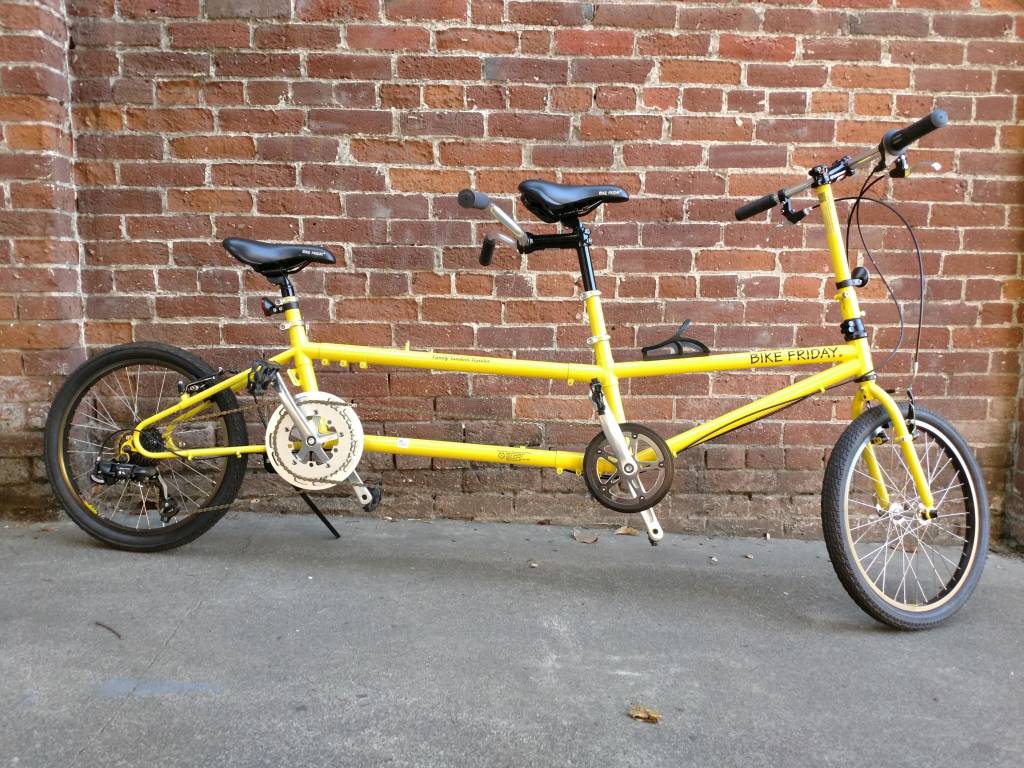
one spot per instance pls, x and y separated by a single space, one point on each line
294 410
654 530
627 462
363 494
311 440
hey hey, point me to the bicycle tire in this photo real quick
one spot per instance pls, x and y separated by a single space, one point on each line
836 517
71 393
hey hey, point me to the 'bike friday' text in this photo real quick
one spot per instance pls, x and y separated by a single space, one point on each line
794 355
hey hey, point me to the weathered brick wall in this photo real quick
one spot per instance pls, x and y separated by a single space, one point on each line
41 308
352 124
1013 529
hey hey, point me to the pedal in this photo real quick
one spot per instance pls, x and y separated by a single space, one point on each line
654 529
261 376
368 496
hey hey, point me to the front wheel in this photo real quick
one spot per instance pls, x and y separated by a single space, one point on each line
160 504
905 566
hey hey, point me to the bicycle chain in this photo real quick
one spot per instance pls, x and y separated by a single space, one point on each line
223 413
244 409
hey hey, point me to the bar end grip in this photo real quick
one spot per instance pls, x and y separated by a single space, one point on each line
755 207
487 251
898 139
469 198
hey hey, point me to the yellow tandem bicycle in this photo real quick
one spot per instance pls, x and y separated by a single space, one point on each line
146 445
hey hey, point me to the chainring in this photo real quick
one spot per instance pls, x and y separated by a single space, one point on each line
297 463
654 462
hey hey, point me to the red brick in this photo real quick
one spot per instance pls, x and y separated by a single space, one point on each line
204 35
529 126
118 201
699 71
169 120
610 70
944 80
435 10
443 124
165 63
235 147
295 202
525 70
247 8
538 12
209 200
620 127
845 76
972 25
384 38
256 64
635 15
594 42
438 67
348 121
295 36
346 66
488 153
297 148
665 44
757 48
392 151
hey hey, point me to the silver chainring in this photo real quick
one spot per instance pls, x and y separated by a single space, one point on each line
301 465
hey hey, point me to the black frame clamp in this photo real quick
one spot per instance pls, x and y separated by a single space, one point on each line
853 329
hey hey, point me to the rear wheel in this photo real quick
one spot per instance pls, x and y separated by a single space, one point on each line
906 566
167 502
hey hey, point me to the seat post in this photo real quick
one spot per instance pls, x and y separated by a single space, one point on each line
582 233
296 332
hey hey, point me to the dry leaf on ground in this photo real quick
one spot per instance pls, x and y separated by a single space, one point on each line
626 530
584 537
644 714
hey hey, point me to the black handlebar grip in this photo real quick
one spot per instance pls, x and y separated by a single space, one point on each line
898 139
755 207
471 199
487 251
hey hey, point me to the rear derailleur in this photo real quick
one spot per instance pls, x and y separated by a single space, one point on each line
112 472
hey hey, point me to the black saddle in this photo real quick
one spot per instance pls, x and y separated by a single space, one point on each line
552 202
271 260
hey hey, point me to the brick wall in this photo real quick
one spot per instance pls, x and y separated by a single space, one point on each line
352 124
41 306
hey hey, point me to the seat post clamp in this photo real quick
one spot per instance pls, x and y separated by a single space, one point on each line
592 340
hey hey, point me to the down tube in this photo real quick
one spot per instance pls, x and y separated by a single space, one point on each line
765 405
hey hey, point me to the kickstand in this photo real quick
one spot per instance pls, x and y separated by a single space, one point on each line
305 497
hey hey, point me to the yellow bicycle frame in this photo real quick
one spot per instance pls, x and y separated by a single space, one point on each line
849 360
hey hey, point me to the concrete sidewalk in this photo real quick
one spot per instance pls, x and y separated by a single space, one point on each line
266 643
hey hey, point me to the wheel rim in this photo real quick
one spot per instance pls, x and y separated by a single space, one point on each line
911 562
103 415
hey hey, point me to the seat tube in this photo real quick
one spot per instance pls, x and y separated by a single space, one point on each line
297 338
600 342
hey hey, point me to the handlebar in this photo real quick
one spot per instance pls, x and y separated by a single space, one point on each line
469 198
893 144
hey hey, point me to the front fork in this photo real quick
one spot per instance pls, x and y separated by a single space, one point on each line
869 390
